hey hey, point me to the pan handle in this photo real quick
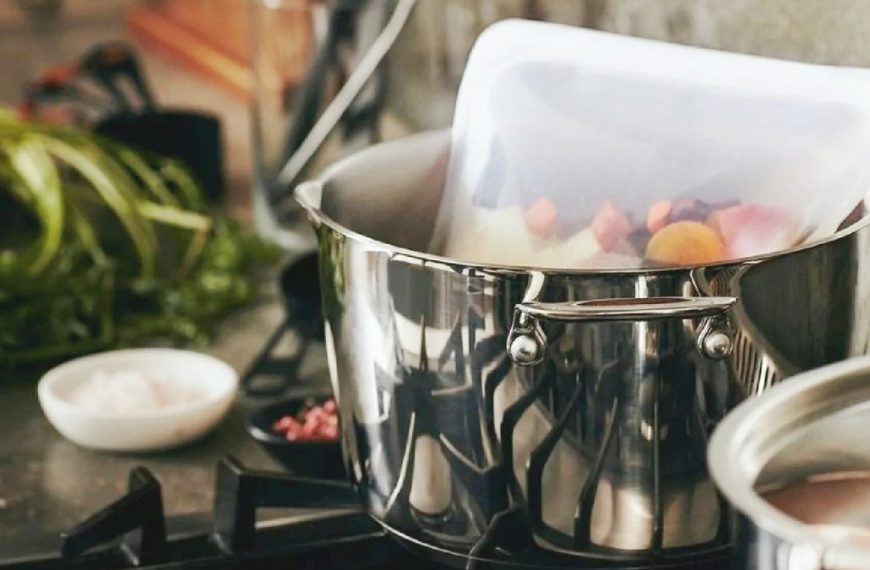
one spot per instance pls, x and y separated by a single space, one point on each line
527 343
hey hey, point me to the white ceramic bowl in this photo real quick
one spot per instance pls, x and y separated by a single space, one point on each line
149 429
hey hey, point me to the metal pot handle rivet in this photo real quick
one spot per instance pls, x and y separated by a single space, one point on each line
717 345
525 350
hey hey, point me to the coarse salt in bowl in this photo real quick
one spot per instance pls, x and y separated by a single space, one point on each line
137 399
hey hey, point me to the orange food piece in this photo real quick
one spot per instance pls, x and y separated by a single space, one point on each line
657 217
685 243
542 218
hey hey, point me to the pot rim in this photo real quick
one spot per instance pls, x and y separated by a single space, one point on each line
306 192
733 458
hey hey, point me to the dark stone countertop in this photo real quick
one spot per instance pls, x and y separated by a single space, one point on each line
48 483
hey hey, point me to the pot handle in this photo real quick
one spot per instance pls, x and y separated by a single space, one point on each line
526 344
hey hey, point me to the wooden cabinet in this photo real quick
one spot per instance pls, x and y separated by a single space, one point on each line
212 36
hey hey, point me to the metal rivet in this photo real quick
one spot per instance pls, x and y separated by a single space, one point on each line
525 349
717 345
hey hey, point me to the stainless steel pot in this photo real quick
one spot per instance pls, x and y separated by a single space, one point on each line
813 427
561 415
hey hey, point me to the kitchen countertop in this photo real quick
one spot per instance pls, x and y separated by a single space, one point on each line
48 483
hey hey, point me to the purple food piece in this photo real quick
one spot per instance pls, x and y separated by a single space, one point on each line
690 209
639 239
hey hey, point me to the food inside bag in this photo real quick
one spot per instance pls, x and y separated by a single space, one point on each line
579 149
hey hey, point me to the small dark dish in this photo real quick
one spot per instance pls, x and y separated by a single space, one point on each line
311 458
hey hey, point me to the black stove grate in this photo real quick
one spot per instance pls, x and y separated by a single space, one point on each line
136 518
332 533
271 373
132 532
479 366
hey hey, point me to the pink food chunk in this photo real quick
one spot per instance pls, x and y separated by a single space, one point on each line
754 229
542 218
657 218
610 226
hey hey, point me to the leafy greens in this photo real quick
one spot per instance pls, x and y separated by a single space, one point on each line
103 246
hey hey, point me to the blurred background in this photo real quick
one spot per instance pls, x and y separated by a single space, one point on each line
231 89
204 53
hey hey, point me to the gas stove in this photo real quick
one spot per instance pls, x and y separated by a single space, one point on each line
324 529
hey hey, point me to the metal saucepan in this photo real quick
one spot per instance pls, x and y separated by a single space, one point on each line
803 447
490 411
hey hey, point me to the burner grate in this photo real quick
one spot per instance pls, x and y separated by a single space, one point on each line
137 518
331 533
450 396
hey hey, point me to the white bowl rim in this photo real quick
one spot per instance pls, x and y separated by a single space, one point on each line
46 393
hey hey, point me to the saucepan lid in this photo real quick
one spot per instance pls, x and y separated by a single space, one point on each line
796 462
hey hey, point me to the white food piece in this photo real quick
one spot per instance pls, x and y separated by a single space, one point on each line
495 237
574 252
608 260
131 392
500 236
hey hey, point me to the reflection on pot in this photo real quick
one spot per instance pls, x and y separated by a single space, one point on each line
585 439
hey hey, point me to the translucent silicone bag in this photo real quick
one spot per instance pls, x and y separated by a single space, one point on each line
579 149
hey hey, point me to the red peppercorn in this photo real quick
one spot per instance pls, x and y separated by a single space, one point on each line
316 414
283 424
311 422
328 431
309 429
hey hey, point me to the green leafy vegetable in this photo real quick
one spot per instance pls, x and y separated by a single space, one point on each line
101 246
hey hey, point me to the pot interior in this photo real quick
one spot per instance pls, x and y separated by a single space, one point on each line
823 477
804 450
390 192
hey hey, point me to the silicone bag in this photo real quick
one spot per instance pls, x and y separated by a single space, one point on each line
580 120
